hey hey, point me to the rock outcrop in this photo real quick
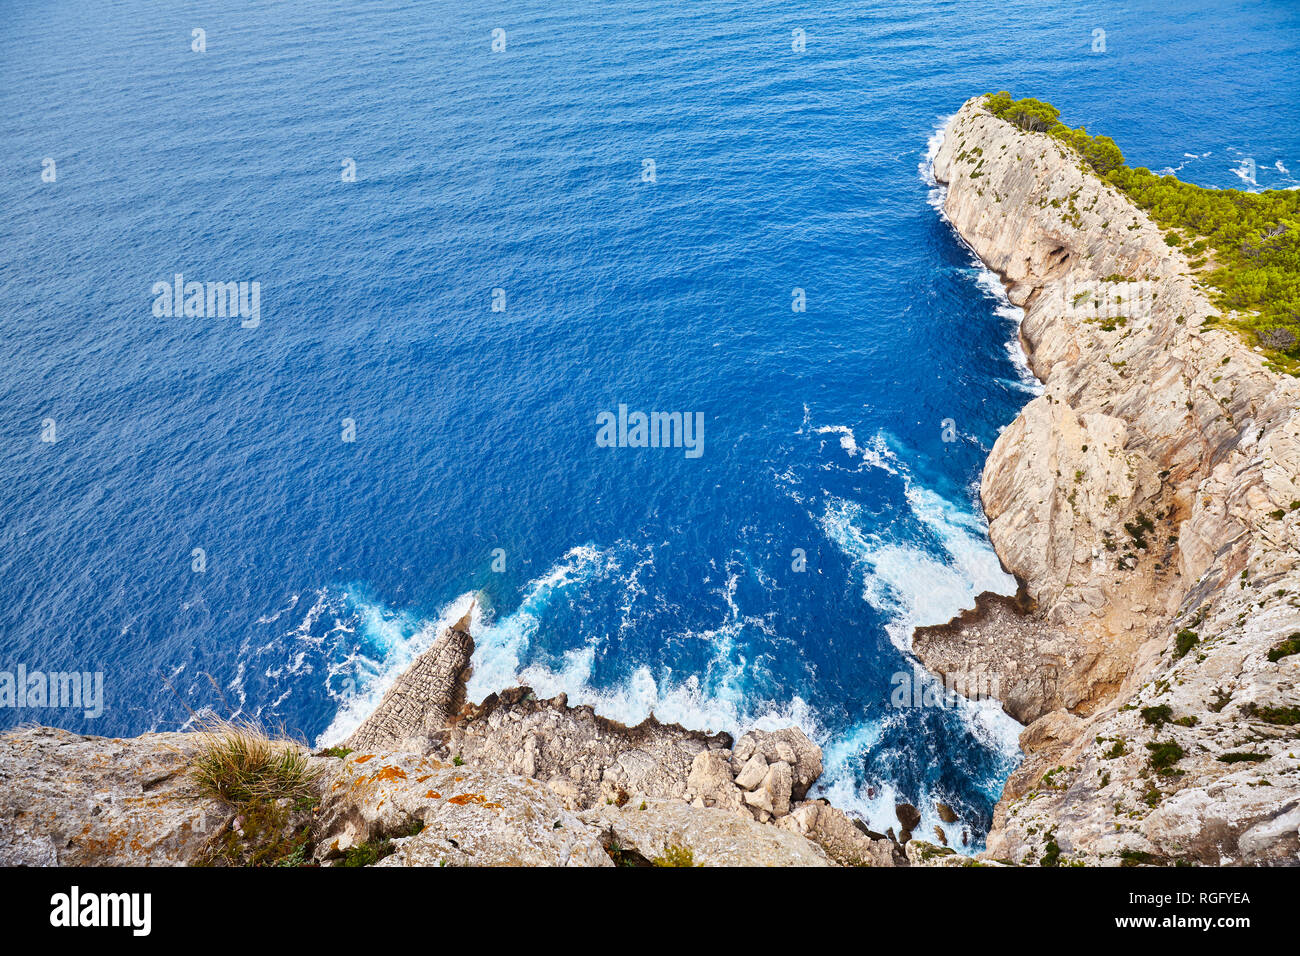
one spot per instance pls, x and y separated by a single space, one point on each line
68 800
428 780
417 708
1149 501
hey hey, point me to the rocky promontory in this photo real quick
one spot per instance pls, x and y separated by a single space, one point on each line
1149 502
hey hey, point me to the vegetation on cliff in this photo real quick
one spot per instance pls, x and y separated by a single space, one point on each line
269 786
1247 243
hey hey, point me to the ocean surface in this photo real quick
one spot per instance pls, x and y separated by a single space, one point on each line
506 266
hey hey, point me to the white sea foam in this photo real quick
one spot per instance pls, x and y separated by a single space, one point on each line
844 756
715 700
876 454
920 569
985 278
903 579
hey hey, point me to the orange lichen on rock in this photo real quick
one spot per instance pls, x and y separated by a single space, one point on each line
388 773
434 795
464 799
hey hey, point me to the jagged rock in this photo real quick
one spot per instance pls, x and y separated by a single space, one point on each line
946 813
69 800
788 745
710 782
778 785
587 758
429 693
840 837
713 837
908 816
761 801
752 773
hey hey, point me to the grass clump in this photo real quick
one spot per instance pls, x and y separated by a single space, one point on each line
1184 641
366 854
374 850
270 787
238 763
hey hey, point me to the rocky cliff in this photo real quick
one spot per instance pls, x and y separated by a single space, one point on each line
1149 502
428 779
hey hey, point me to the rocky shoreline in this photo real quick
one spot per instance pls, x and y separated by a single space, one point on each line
430 780
1149 501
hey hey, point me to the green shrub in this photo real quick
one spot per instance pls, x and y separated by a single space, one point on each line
1285 649
1158 715
1184 641
1282 716
1164 755
1254 236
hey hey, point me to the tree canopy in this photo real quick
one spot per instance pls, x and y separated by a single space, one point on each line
1246 244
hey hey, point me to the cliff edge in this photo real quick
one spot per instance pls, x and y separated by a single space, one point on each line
1149 501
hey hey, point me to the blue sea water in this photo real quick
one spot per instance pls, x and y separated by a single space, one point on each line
636 579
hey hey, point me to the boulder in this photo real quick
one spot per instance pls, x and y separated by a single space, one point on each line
710 782
778 785
752 773
788 745
908 816
668 830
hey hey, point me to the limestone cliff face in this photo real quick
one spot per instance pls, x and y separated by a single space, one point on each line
1152 488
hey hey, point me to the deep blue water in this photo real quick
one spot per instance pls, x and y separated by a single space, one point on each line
637 579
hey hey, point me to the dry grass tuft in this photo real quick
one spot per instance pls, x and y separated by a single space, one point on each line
239 763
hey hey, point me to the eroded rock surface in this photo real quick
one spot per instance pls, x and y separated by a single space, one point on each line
70 800
1153 489
515 781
